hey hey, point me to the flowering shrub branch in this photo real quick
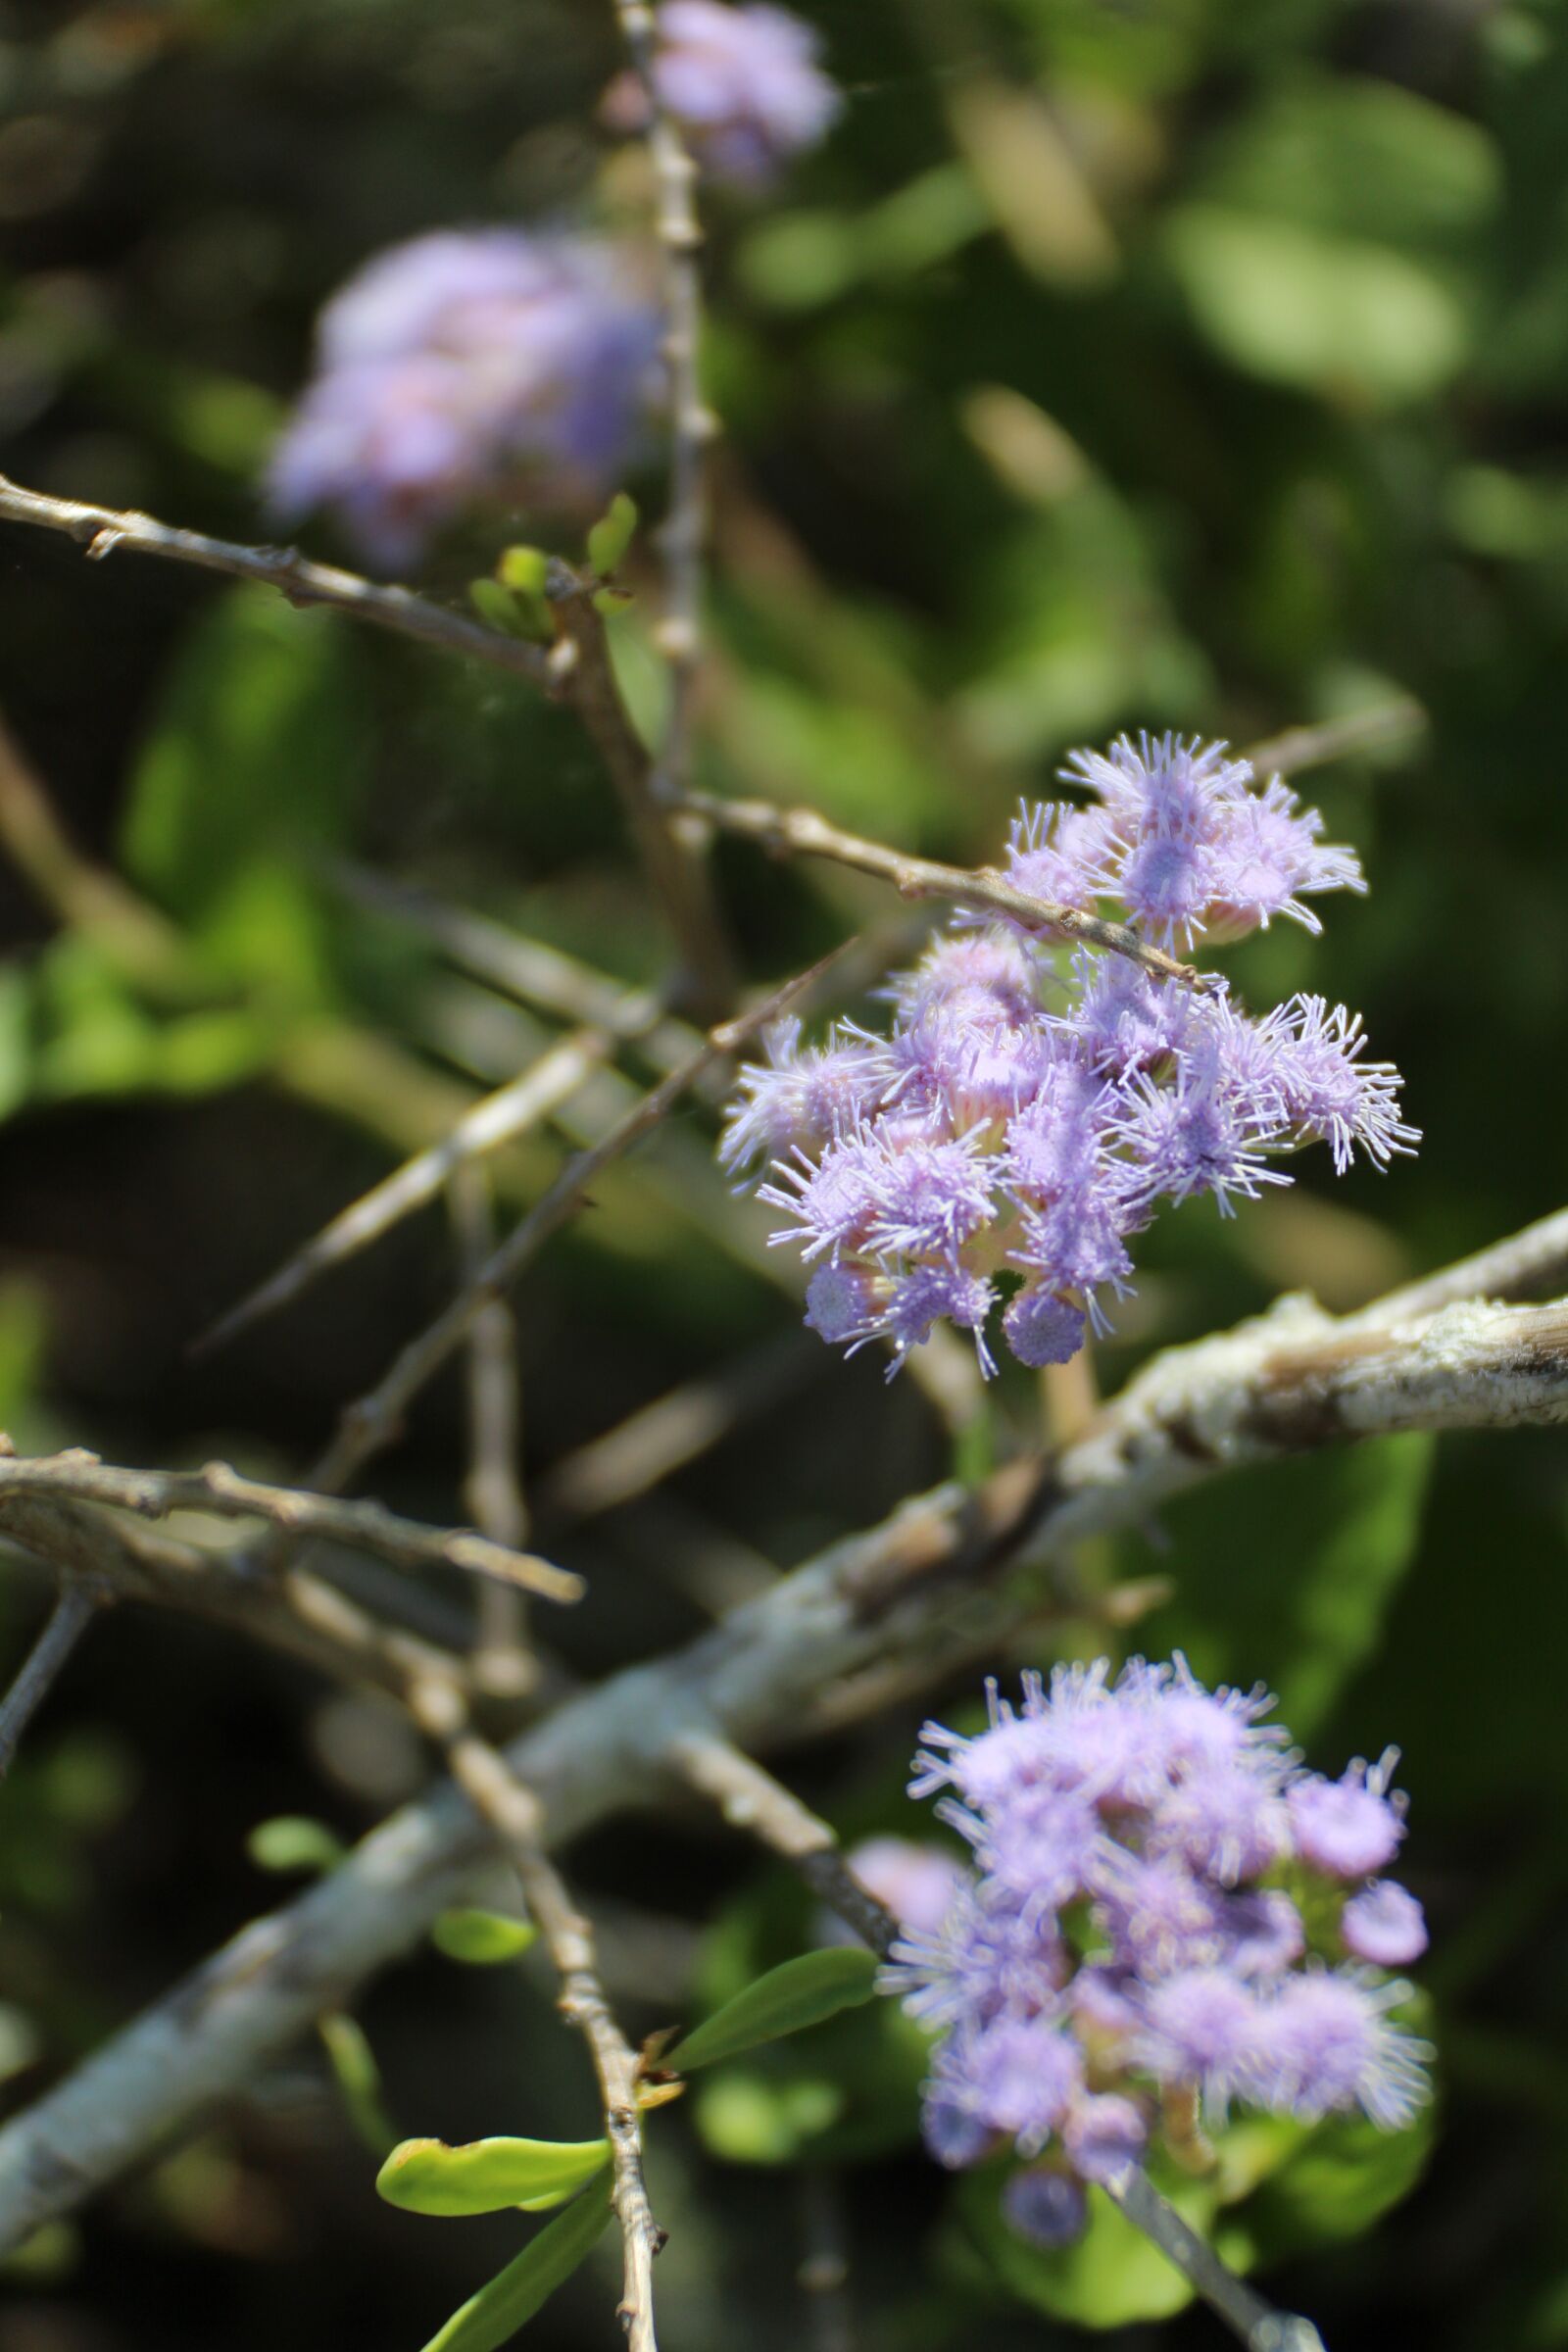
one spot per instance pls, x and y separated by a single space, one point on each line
1294 1380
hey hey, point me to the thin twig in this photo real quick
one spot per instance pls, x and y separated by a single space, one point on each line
105 530
513 1813
498 1120
693 425
674 862
1532 1264
301 1614
577 671
365 1526
642 1450
938 1580
372 1422
1255 2323
75 1610
493 1489
1298 747
528 970
751 1799
802 833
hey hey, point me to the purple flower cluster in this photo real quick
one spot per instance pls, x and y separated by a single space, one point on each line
743 83
469 363
1018 1123
1165 1913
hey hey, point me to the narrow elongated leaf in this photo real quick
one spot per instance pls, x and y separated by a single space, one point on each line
485 2175
358 2080
483 1938
516 2293
800 1992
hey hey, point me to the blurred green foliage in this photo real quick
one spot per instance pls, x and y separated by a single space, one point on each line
1192 363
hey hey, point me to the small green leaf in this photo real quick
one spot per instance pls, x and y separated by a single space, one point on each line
799 1994
358 2080
496 606
293 1841
516 2293
486 2175
612 534
524 568
481 1937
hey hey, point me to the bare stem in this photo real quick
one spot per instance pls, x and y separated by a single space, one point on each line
104 531
1253 2321
155 1494
802 833
372 1421
68 1621
513 1814
751 1799
692 423
937 1581
493 1489
577 671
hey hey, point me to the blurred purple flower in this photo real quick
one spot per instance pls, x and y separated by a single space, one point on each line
469 365
1119 1926
743 84
1384 1924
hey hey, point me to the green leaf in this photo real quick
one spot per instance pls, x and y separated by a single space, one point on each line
485 2175
800 1992
1288 1572
483 1938
1112 2278
516 2293
612 535
497 606
1345 2174
253 766
523 568
358 2080
293 1841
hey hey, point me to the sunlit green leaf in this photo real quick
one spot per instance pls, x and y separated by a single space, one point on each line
294 1842
1113 2277
798 1993
481 1937
485 2175
612 535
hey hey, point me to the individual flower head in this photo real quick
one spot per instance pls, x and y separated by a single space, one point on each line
1045 2205
1351 1827
1200 2026
1118 1951
804 1095
1267 854
1325 2044
743 84
469 365
1384 1924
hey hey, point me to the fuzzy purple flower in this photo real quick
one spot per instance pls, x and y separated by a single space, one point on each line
1350 1827
1123 1946
469 364
743 84
1019 1126
1384 1924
